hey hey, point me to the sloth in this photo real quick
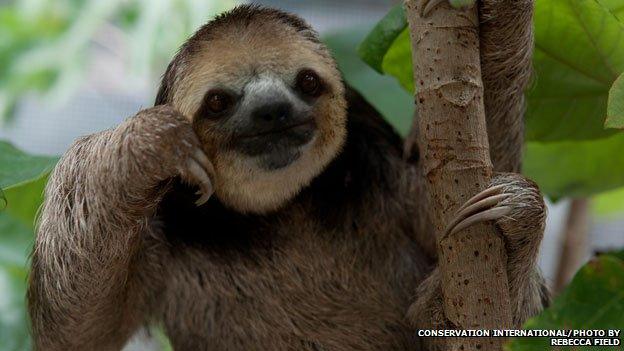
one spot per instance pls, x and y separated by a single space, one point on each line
262 204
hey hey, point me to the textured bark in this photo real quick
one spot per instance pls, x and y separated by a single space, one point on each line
574 243
453 140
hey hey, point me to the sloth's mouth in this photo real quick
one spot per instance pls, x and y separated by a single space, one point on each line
277 147
304 124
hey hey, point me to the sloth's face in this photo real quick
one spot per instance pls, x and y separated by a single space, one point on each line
270 121
268 105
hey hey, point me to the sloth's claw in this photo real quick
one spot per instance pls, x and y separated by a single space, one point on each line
493 190
485 206
491 214
203 160
203 199
201 178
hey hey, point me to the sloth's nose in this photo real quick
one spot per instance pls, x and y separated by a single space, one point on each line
273 113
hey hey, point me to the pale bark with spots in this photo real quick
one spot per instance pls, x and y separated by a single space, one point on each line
456 163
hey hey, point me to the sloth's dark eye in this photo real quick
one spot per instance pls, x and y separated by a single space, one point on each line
309 83
217 101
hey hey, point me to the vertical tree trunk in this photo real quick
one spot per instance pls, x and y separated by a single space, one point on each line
574 243
456 162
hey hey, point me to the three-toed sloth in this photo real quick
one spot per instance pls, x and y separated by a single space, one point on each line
261 205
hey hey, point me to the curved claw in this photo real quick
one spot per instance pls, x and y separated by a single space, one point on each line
483 204
494 190
203 180
203 199
203 160
488 215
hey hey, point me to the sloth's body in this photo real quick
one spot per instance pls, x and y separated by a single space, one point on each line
316 236
335 269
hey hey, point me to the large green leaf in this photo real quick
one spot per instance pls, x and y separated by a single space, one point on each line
394 103
394 61
615 6
16 237
576 168
17 167
23 201
379 40
593 300
579 54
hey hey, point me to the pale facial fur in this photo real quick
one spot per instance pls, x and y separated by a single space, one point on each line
261 58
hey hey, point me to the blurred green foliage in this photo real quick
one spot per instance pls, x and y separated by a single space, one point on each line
45 45
593 300
608 205
17 222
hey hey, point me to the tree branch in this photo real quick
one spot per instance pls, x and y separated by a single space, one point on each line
574 238
453 141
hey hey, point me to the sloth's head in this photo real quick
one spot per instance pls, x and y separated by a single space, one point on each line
266 100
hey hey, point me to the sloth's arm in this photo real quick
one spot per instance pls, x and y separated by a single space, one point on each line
506 37
85 291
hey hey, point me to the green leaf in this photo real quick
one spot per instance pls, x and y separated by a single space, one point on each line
24 201
576 168
593 300
14 331
579 52
16 238
615 6
609 205
15 245
17 167
394 62
615 108
379 40
158 332
394 103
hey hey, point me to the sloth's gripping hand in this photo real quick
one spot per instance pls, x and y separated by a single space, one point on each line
514 203
164 145
516 206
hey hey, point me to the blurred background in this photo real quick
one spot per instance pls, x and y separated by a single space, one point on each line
74 67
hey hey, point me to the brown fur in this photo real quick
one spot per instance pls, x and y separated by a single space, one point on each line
506 49
332 265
